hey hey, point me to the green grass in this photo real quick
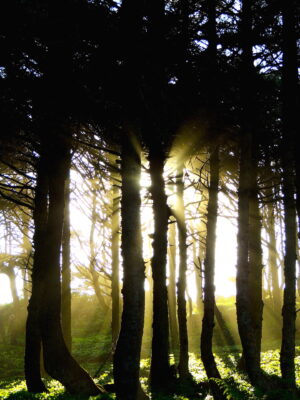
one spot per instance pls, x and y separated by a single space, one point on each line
233 384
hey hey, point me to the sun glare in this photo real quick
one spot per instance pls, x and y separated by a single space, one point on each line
5 294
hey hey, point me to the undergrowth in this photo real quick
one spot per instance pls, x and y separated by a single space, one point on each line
233 384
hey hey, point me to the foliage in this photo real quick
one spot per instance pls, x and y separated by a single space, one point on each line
12 360
16 390
233 383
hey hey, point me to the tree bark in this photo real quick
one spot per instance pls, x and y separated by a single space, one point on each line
57 359
115 289
209 272
198 277
289 126
243 296
255 259
272 259
33 334
127 355
66 270
160 374
172 289
183 366
44 312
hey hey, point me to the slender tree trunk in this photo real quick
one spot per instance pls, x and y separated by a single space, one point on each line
255 260
198 278
127 354
25 285
212 210
27 248
289 127
172 289
209 272
183 366
66 270
115 287
160 374
272 259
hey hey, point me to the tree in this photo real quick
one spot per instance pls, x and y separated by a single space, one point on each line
115 289
209 267
289 84
127 354
244 318
66 270
128 349
183 366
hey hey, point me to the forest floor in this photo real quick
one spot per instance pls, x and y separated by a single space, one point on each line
91 356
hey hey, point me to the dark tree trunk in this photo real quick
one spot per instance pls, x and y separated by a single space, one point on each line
243 297
33 335
128 350
160 375
44 311
198 278
115 287
212 209
57 359
209 272
245 326
172 289
66 270
272 259
289 126
127 354
183 366
255 259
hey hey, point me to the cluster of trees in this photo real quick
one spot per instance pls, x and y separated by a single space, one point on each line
98 85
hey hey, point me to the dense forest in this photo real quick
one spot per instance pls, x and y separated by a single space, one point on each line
128 130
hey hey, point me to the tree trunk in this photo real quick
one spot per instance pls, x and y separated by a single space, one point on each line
243 296
57 359
33 335
115 289
209 272
183 366
66 270
289 127
272 259
198 277
26 249
172 289
245 326
255 259
127 355
44 310
160 374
